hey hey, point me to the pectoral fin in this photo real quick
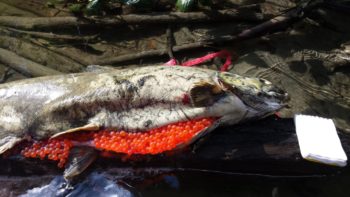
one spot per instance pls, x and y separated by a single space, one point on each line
88 127
8 142
79 159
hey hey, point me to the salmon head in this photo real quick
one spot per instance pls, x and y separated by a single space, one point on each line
259 97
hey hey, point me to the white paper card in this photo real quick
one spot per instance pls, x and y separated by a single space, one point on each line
319 141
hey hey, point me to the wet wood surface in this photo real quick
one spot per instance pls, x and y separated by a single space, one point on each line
265 149
268 146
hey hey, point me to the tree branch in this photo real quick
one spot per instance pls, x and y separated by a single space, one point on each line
40 54
49 36
44 23
25 66
272 25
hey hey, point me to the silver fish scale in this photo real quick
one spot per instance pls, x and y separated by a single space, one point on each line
136 99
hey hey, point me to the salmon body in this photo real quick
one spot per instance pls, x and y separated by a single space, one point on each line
123 108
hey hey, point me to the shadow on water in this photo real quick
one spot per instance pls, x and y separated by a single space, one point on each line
219 185
197 184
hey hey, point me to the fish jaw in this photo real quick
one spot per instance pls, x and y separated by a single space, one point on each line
231 110
260 96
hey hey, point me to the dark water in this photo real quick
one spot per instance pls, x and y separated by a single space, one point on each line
200 184
205 185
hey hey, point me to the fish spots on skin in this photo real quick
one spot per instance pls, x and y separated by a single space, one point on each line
141 82
147 123
119 81
131 88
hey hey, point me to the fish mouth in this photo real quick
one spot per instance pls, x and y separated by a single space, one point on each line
284 97
281 100
278 94
284 102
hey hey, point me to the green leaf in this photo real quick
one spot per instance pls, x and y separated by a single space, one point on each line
93 7
140 4
185 5
76 8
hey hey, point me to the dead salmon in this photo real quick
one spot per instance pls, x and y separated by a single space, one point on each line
146 110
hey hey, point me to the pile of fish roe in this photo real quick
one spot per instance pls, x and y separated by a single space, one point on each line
57 150
154 141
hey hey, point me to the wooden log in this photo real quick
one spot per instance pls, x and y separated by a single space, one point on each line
45 23
265 147
274 24
25 66
49 36
41 55
147 54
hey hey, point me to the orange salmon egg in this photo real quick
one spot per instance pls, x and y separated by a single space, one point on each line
154 141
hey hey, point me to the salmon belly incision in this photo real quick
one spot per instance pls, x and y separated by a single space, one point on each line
153 141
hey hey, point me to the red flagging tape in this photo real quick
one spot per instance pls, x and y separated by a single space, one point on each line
221 54
171 62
